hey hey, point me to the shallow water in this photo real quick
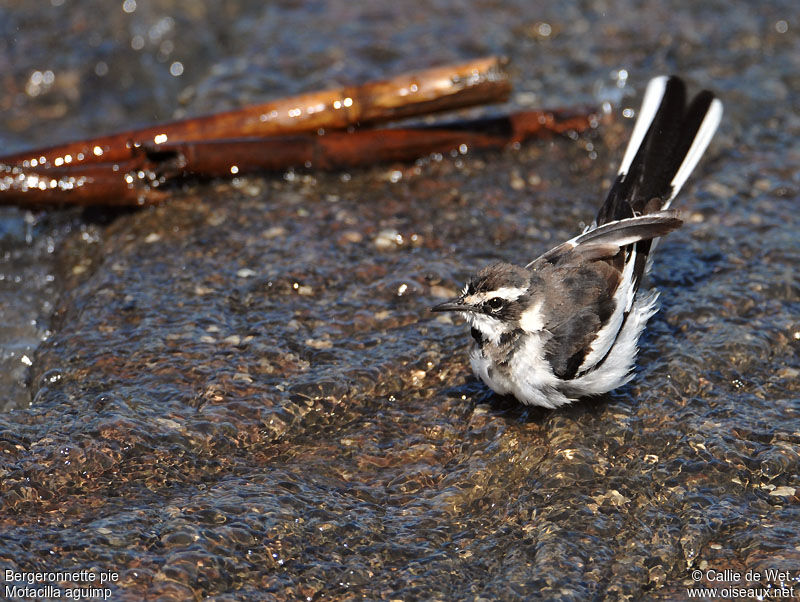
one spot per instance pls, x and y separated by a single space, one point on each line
241 394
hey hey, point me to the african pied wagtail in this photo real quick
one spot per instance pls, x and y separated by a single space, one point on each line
567 324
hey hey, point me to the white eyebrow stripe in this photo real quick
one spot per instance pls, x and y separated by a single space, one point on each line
509 293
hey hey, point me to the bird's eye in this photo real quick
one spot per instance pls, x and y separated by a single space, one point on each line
494 304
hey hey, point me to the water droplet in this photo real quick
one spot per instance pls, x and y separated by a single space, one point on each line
51 377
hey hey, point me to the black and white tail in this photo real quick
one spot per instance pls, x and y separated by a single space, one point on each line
668 139
667 142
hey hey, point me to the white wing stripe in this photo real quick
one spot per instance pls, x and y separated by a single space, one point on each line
617 369
607 335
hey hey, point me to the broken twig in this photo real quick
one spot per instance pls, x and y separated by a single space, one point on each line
314 130
439 89
337 150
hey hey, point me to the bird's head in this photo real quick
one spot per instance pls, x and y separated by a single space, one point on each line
493 300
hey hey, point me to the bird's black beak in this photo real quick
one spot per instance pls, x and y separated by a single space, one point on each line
456 304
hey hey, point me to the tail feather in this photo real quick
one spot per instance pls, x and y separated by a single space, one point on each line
702 118
668 140
656 90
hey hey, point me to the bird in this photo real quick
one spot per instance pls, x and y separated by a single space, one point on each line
566 326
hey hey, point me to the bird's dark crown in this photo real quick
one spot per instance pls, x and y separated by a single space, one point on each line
498 276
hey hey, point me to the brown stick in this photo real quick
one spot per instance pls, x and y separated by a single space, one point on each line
443 88
119 185
337 150
137 181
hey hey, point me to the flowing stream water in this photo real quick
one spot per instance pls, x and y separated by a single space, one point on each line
241 394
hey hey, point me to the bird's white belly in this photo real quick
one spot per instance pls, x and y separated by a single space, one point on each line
528 376
482 367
